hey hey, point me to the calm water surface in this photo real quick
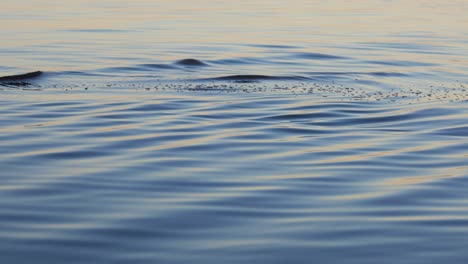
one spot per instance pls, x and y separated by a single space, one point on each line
233 132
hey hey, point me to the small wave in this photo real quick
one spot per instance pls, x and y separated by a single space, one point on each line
238 61
254 78
77 73
402 63
380 74
316 56
125 69
270 46
459 131
149 67
157 66
191 62
388 74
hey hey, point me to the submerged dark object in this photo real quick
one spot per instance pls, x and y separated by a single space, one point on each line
191 62
20 77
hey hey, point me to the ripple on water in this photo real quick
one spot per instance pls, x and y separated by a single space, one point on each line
174 177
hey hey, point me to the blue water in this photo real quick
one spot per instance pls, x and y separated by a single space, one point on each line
244 132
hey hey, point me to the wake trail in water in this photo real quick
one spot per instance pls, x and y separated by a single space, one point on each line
247 74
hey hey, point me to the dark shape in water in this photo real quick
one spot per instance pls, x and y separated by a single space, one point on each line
19 77
191 62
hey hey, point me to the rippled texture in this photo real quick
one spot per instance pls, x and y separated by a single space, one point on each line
233 132
173 178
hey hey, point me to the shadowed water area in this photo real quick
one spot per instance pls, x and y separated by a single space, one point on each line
243 132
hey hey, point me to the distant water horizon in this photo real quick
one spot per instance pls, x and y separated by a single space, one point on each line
399 49
234 132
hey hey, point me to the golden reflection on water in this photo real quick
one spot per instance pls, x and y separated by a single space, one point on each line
107 30
257 21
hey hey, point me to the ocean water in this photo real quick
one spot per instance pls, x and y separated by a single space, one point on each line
234 132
